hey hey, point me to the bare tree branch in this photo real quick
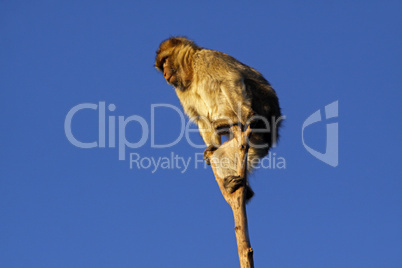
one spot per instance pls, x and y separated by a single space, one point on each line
237 199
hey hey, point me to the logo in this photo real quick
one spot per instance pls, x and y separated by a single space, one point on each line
112 130
330 156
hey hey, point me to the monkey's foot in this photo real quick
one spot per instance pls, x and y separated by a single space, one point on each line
208 153
232 183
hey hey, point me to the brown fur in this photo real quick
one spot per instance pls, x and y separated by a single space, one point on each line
216 91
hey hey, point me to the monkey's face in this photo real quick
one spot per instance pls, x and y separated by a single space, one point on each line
174 62
169 72
165 63
167 67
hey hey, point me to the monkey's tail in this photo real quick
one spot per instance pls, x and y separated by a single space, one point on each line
258 149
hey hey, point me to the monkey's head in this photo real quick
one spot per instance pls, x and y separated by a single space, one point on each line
174 59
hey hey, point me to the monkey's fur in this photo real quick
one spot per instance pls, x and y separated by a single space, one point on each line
217 91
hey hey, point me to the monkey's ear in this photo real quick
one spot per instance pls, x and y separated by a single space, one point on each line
181 40
174 41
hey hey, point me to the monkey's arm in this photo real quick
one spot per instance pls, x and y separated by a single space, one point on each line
210 137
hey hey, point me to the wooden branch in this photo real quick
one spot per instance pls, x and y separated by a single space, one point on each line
237 199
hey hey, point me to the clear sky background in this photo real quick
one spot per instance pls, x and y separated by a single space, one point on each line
63 206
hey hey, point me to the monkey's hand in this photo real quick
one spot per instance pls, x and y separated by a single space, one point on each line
222 126
209 151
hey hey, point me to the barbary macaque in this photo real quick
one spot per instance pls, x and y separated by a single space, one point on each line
216 92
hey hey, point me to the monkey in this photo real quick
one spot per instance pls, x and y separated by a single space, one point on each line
217 91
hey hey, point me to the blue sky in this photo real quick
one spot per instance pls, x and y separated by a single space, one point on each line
64 206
